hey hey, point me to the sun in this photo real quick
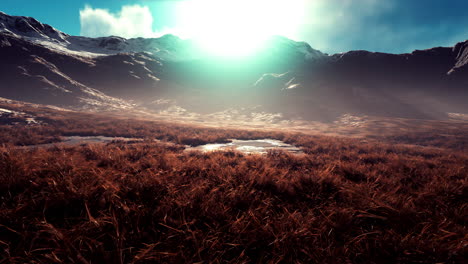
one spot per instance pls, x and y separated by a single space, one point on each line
233 28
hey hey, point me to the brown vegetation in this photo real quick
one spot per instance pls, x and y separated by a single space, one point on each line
342 201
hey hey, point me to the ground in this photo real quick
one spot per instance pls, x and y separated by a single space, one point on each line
391 192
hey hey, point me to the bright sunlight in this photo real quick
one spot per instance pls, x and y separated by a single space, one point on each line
238 28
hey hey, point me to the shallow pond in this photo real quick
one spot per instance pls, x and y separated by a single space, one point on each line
260 146
78 140
95 139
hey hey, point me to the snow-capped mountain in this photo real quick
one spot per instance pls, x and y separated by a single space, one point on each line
40 64
33 73
30 27
167 47
279 44
461 51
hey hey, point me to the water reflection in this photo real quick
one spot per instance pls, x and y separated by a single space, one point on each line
260 146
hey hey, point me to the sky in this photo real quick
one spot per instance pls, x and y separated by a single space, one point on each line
332 26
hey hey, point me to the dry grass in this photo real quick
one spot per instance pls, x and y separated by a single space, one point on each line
343 201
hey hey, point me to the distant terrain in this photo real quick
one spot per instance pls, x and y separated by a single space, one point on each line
287 79
397 196
118 150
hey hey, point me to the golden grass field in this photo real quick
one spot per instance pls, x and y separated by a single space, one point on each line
388 195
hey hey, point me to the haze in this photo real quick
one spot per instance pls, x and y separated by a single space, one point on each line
233 131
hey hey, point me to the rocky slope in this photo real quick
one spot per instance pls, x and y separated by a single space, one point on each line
422 84
43 65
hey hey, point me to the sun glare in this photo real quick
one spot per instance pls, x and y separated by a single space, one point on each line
238 28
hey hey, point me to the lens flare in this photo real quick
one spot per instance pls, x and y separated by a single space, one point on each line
238 28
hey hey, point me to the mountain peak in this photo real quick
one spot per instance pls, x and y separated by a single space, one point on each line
461 51
298 47
29 27
166 47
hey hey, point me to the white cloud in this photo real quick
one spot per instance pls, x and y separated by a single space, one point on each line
132 21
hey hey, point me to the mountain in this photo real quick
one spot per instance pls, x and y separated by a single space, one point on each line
40 64
29 27
166 47
422 84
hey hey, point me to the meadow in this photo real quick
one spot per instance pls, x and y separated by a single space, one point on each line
344 200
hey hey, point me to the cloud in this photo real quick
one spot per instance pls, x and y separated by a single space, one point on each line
341 25
328 25
381 25
132 21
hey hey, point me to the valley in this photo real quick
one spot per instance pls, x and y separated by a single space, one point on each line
287 80
149 150
388 198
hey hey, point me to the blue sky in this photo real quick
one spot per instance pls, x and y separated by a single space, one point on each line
394 26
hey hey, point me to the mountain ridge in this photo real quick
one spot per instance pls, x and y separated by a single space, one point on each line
111 45
286 77
163 47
